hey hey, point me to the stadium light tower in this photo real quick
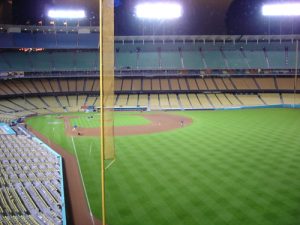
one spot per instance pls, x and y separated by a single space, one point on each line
285 10
158 11
281 9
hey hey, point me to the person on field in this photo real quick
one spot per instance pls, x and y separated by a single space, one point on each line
181 123
75 127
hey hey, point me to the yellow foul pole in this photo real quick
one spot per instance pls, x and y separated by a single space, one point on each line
102 111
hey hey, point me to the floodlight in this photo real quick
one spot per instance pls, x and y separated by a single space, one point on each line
160 11
285 9
66 14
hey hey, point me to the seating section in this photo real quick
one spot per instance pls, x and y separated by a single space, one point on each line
256 59
291 98
126 60
244 83
21 87
205 84
35 96
214 60
148 60
18 107
192 60
50 61
37 86
266 83
271 99
132 101
154 102
7 118
250 100
11 109
31 183
278 59
236 59
145 56
285 83
170 59
202 101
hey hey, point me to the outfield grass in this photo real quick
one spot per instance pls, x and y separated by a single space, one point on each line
123 119
228 167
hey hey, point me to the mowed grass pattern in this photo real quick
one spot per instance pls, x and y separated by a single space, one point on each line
92 120
228 167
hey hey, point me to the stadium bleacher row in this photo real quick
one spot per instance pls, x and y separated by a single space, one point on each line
49 61
196 56
19 86
18 107
38 86
30 183
157 56
49 40
6 117
206 84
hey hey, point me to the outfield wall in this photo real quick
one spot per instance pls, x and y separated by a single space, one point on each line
289 106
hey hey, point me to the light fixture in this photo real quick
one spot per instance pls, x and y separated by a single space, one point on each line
158 11
281 9
66 14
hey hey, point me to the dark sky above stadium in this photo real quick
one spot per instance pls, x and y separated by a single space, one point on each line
200 17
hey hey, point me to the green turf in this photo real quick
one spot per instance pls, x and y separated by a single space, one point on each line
228 167
123 119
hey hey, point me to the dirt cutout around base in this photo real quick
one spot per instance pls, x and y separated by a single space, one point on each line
159 122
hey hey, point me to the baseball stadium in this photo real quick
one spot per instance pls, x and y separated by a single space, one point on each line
99 128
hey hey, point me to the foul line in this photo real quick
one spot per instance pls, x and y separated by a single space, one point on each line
109 165
86 196
91 148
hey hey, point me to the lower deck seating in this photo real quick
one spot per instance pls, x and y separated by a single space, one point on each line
132 101
187 102
7 118
168 84
271 99
291 98
204 101
143 100
154 102
174 103
14 108
250 100
30 182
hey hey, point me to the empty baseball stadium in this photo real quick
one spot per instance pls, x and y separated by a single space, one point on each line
51 81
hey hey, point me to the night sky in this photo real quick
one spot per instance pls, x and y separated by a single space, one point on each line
201 17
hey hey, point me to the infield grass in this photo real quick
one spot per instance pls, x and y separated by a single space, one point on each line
229 167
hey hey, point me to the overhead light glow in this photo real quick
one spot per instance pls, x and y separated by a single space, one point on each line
285 9
66 14
160 11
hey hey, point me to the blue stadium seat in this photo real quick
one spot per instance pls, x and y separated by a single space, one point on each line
24 40
6 40
88 41
46 41
66 41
